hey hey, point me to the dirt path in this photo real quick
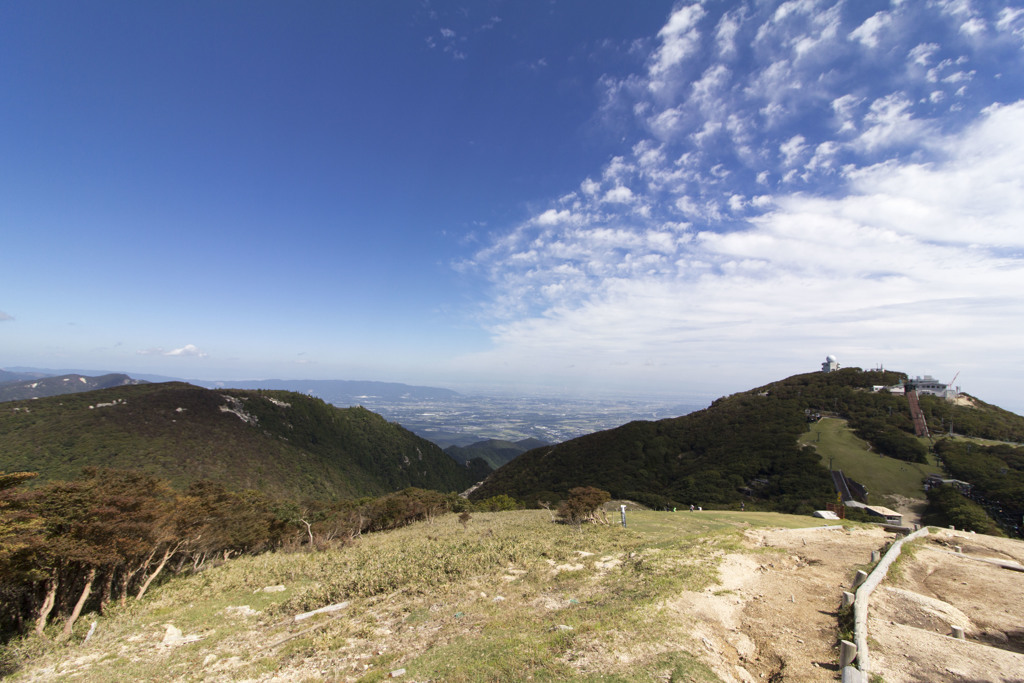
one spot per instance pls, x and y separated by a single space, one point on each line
912 509
774 615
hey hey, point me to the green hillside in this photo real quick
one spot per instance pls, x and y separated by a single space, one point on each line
972 417
282 443
747 448
883 477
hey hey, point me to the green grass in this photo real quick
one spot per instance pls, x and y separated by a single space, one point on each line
881 475
445 603
908 550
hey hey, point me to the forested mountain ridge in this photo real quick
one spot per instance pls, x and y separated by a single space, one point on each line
40 387
495 452
741 448
282 443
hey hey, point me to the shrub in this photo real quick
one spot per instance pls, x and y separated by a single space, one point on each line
497 504
582 504
946 506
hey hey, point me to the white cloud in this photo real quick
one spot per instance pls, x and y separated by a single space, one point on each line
955 8
650 157
553 217
973 27
792 149
187 350
4 316
707 133
845 109
915 225
619 195
824 156
725 33
890 122
1011 20
618 169
922 54
712 82
867 33
680 39
786 9
886 264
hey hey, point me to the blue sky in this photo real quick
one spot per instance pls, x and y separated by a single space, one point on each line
577 196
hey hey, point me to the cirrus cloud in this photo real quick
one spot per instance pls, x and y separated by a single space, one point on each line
821 199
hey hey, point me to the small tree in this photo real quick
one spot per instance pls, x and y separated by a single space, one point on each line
582 504
547 506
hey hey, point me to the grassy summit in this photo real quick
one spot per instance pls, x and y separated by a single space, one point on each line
505 597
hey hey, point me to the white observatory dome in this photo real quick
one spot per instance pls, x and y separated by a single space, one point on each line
830 358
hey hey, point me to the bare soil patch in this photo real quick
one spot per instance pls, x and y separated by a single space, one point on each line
774 616
911 619
912 509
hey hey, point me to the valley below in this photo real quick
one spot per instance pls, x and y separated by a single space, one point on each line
463 420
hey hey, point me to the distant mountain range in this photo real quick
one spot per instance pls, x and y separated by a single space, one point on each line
10 376
743 448
40 387
341 392
442 416
284 443
336 391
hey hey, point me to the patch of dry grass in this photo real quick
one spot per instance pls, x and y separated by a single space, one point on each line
510 596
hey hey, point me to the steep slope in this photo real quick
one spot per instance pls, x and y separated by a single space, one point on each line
280 442
887 480
64 384
743 447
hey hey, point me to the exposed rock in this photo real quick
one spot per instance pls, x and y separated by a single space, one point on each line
322 610
172 636
240 611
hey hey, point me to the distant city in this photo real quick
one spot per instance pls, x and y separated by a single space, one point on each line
463 420
449 418
443 416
